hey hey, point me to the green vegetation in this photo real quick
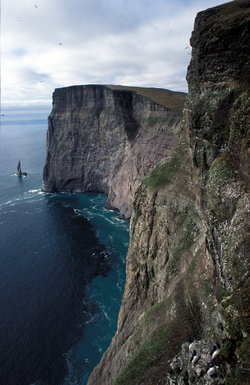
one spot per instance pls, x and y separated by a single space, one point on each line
162 174
239 117
143 359
235 349
153 312
193 263
239 373
159 120
167 98
218 160
178 164
207 287
188 232
148 319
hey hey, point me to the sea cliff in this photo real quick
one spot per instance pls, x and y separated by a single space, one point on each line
106 138
184 317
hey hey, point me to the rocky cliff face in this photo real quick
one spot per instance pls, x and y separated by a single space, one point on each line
106 138
184 317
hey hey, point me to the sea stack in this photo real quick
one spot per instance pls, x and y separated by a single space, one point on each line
19 170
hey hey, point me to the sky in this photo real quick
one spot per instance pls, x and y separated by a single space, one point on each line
46 44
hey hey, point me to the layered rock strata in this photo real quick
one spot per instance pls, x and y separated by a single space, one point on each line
106 138
184 317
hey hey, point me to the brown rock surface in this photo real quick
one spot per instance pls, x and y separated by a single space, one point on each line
184 317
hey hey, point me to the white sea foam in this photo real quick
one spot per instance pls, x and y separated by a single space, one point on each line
119 286
77 211
27 196
92 319
42 193
69 380
6 203
112 221
34 191
106 315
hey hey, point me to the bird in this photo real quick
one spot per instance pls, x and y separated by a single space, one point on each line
36 6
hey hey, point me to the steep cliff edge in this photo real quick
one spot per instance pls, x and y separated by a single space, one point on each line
106 138
184 317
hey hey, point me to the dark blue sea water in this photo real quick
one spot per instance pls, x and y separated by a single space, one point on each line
62 266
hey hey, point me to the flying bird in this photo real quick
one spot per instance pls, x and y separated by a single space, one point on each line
36 6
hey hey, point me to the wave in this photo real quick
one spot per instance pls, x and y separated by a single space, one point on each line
6 203
106 315
27 195
34 191
93 319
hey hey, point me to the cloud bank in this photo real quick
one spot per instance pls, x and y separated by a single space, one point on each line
48 44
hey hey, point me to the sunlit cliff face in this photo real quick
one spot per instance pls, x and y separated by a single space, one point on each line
106 138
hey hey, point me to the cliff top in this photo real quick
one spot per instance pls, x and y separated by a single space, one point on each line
225 17
171 99
220 43
233 9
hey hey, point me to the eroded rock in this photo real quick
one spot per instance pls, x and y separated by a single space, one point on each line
106 138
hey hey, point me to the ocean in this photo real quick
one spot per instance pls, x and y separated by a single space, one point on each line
62 266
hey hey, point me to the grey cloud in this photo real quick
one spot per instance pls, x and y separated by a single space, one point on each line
130 42
29 75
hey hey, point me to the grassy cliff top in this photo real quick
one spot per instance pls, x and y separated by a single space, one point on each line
171 99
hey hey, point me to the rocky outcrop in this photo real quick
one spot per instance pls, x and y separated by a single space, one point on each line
106 138
184 317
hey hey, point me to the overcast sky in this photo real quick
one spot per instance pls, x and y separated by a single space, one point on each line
55 43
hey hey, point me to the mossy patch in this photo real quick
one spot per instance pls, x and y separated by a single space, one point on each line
153 312
143 359
207 288
234 352
167 98
165 171
160 121
240 368
148 319
193 263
